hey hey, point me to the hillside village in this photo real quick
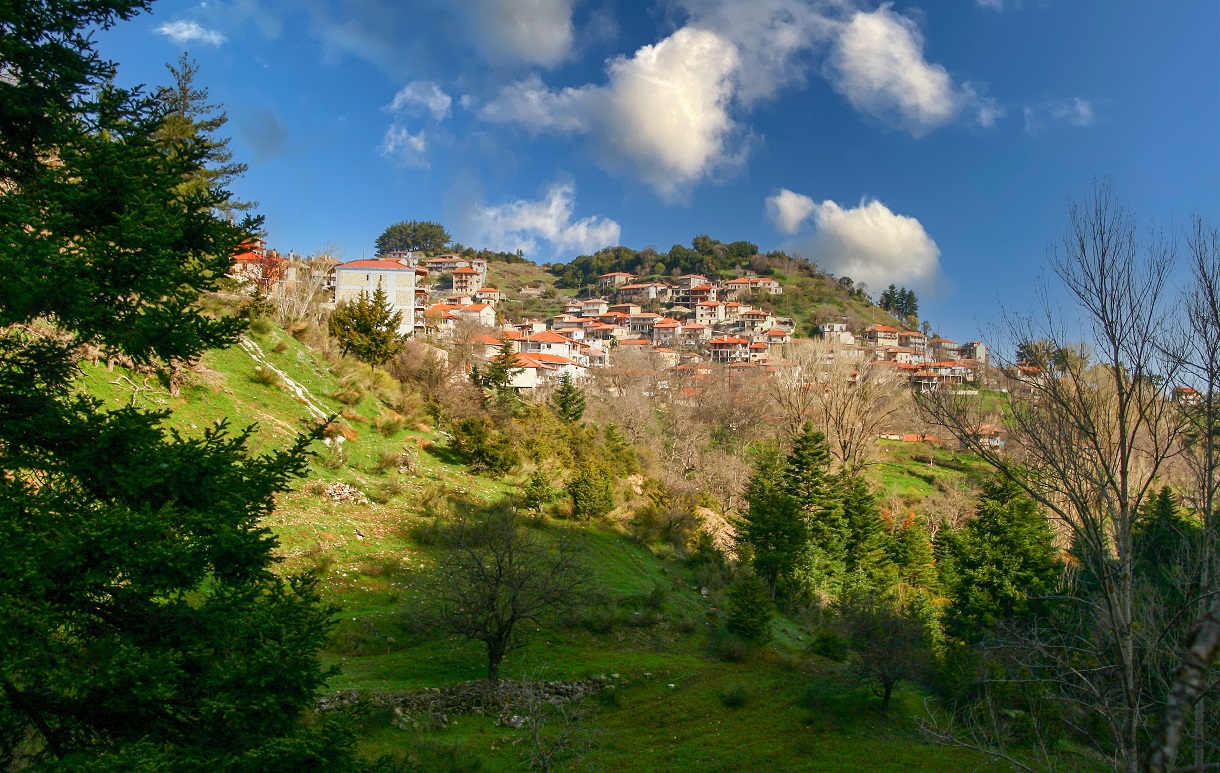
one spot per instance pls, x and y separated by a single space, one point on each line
690 321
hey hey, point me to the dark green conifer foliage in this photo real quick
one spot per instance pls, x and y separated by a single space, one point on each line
592 492
773 529
750 610
1163 537
367 328
189 115
538 491
807 480
568 402
916 561
870 547
997 565
141 624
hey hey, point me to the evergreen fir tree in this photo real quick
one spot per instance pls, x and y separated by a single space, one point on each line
592 492
143 624
916 560
568 402
869 547
808 481
773 528
367 328
538 491
750 610
1162 536
997 565
190 118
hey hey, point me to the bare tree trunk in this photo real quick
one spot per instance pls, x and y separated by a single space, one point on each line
1201 650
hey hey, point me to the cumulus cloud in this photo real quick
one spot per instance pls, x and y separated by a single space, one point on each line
662 116
788 210
523 225
536 32
1074 112
878 64
775 39
405 148
421 96
871 244
183 31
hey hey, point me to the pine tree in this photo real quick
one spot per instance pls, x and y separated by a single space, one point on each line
367 328
568 402
1162 536
190 118
916 560
142 626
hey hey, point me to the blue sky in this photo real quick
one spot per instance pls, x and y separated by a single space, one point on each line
933 144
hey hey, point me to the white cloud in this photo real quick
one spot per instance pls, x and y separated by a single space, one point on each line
522 225
878 64
774 38
788 210
405 148
871 244
421 96
993 5
537 32
185 31
662 116
1074 112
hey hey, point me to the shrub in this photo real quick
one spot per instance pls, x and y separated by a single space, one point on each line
266 377
750 610
280 347
830 645
388 462
486 449
734 696
389 423
730 647
592 493
332 457
261 326
348 395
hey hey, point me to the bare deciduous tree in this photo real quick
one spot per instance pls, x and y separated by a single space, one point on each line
1087 443
849 397
498 576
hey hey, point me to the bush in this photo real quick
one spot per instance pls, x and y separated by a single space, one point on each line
261 326
389 423
266 377
348 395
734 696
332 457
829 645
750 610
486 449
592 493
730 647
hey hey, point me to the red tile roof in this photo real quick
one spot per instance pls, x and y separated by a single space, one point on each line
380 265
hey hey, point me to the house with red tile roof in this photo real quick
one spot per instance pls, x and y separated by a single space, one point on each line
881 335
467 281
729 349
395 277
614 279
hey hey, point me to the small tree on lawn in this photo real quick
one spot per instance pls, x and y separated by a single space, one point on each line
568 402
538 491
750 610
500 577
367 328
887 640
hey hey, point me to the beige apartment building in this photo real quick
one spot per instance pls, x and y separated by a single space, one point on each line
396 277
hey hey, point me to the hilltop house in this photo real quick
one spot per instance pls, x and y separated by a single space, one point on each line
395 277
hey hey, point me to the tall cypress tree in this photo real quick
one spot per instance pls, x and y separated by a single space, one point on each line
869 549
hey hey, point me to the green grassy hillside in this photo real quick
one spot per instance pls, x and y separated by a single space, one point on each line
676 707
